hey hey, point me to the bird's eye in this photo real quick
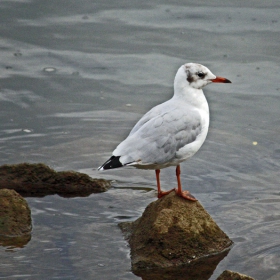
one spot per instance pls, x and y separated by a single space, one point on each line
200 74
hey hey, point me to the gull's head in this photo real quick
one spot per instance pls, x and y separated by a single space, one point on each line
196 76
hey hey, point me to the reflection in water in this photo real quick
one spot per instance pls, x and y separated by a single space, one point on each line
146 189
200 269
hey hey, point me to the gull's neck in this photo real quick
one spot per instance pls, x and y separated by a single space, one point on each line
183 92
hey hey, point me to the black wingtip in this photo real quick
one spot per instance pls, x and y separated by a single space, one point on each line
112 162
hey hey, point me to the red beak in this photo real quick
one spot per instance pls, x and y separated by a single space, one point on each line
220 80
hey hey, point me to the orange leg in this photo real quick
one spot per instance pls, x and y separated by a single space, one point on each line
184 194
160 192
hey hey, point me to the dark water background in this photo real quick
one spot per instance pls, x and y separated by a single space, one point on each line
75 77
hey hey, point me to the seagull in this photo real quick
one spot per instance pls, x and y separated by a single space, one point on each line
171 132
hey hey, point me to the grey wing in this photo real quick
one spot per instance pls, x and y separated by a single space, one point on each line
160 137
153 113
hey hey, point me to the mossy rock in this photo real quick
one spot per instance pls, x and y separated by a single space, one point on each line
173 232
231 275
15 214
40 180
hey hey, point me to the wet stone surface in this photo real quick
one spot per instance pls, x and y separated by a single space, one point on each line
175 232
40 180
231 275
15 217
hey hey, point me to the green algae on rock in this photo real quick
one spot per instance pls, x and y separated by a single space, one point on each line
40 180
231 275
173 232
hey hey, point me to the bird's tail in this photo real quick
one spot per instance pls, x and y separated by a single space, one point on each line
112 162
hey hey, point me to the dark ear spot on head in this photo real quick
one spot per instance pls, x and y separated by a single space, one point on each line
190 78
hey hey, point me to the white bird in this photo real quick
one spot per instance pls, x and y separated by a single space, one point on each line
170 132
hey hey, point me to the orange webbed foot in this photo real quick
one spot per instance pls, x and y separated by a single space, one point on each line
162 193
186 195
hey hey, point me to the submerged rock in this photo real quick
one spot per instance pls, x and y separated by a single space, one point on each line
15 215
231 275
40 180
174 232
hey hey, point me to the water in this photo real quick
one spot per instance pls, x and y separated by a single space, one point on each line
76 76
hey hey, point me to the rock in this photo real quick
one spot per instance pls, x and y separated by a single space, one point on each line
230 275
174 232
15 214
14 242
40 180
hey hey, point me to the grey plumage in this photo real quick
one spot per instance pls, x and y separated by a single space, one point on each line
161 133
